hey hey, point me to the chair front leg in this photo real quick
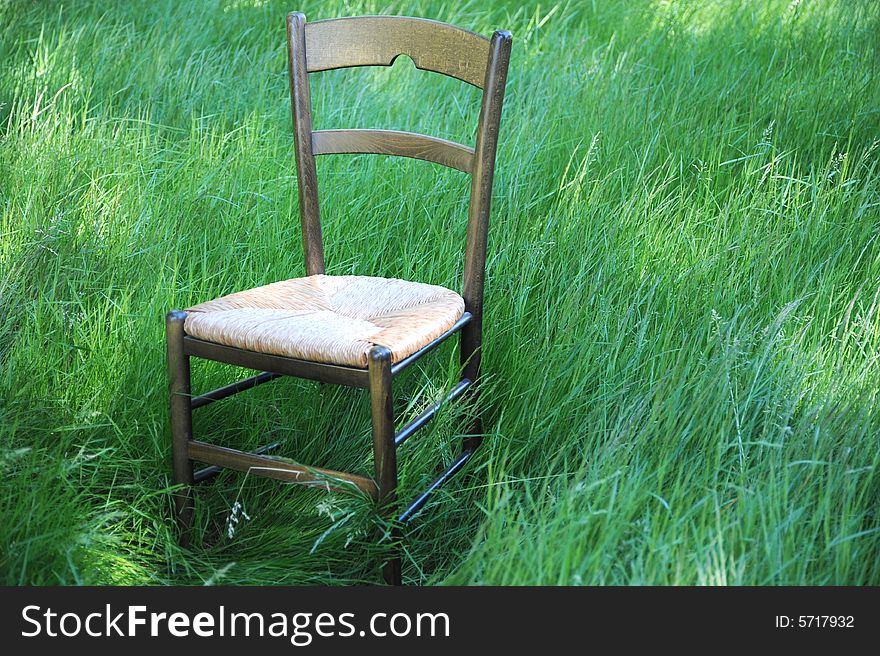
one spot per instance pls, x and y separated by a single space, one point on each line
384 450
181 421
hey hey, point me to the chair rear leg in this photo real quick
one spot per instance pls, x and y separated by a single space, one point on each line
384 450
471 345
181 422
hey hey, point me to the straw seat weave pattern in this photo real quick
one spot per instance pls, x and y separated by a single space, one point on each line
328 319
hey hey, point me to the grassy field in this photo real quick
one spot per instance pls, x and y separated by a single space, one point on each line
683 311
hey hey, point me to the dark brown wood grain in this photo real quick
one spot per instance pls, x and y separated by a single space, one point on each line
481 200
384 447
328 373
393 142
379 40
306 175
278 469
478 221
181 421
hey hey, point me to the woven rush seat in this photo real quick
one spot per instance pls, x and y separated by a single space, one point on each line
329 319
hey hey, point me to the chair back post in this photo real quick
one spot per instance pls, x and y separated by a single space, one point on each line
306 175
483 174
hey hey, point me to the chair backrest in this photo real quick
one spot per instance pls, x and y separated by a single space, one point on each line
378 41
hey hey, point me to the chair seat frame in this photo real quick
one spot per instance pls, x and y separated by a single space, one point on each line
368 41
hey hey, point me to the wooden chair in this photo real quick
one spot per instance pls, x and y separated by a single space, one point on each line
350 330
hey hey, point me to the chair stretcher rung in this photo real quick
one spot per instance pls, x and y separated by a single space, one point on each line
233 388
407 431
422 499
260 465
210 472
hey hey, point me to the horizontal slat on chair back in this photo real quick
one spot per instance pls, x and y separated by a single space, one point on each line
392 142
378 40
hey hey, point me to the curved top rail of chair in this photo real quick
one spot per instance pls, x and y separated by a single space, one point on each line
379 40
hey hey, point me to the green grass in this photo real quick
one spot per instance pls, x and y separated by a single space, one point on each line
683 315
